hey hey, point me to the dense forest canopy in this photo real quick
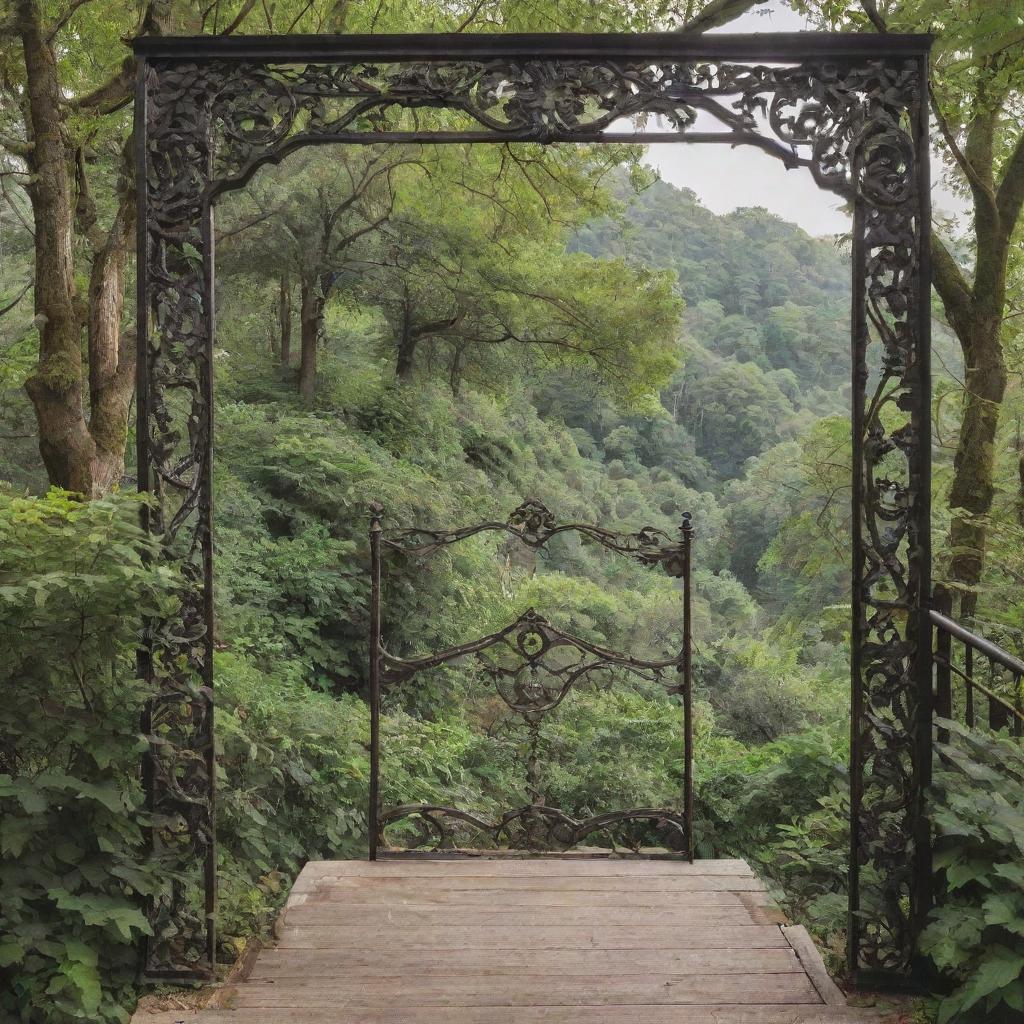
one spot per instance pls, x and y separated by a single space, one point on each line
450 330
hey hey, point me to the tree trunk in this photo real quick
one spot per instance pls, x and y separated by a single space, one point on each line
1020 486
85 457
455 373
56 386
284 319
972 490
311 317
111 351
407 343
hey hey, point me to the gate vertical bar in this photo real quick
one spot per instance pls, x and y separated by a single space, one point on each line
373 812
687 673
144 654
205 528
919 568
174 430
859 380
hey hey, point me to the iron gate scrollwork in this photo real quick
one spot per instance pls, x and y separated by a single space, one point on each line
851 109
533 666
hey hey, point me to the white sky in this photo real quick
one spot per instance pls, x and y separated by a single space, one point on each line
726 178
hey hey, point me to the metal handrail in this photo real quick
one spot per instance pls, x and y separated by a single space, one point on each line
1002 712
991 651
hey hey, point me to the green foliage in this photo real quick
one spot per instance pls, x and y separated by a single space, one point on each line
976 934
73 871
292 771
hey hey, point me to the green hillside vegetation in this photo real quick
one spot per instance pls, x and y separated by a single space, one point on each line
449 331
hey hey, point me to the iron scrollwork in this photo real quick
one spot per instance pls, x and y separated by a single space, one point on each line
533 666
857 123
534 525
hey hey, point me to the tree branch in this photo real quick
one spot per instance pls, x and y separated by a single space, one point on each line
24 291
1010 196
16 146
116 92
65 18
965 165
719 12
243 13
951 285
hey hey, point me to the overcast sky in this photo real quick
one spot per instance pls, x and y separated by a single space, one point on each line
726 178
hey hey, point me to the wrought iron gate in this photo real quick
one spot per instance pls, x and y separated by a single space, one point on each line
533 666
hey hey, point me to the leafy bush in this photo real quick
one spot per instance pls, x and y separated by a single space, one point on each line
73 582
976 934
292 787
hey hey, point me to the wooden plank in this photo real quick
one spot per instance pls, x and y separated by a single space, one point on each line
390 917
316 963
538 883
563 867
358 936
619 1014
531 941
810 960
507 900
529 990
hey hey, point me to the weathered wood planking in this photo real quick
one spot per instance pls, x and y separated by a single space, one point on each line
559 940
497 900
619 1014
395 917
562 867
552 988
640 936
340 885
300 963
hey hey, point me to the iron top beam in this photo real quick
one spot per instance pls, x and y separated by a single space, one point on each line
764 46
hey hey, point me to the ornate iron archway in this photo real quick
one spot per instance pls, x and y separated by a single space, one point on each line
853 110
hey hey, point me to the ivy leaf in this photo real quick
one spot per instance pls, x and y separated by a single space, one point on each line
86 979
11 952
1000 967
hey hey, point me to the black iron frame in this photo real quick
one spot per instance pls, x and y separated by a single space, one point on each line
852 109
531 686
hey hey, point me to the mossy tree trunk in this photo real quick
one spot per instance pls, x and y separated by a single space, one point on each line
81 410
975 311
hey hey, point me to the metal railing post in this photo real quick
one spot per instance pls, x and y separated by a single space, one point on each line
373 816
686 531
943 663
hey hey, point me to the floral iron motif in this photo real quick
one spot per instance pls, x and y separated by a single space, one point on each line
537 828
533 667
534 525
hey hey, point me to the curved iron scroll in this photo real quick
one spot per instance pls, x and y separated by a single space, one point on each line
534 524
537 826
533 667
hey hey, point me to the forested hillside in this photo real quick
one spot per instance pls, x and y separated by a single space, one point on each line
449 330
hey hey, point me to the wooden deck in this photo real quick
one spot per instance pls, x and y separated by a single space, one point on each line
530 941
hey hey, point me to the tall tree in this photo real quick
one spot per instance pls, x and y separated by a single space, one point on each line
978 108
454 292
66 89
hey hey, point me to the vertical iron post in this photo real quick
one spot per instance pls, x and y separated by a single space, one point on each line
376 514
686 530
919 630
969 685
943 663
858 627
